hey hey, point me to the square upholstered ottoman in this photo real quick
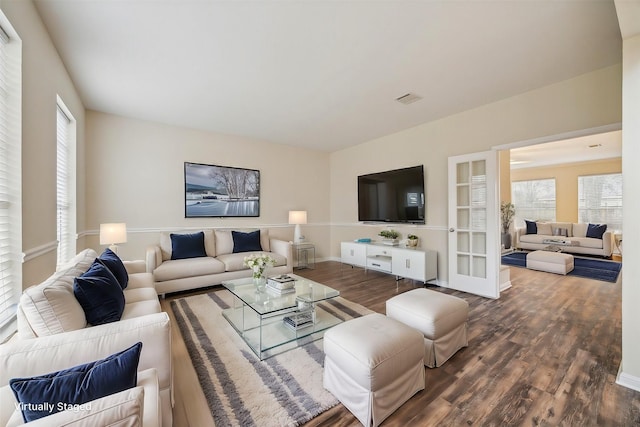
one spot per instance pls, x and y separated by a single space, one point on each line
441 318
551 262
373 364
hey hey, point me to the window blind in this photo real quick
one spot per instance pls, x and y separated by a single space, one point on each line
535 200
10 170
600 200
66 237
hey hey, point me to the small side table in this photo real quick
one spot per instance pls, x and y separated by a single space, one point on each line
305 255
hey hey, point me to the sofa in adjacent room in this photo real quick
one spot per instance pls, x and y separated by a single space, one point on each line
54 333
580 238
184 261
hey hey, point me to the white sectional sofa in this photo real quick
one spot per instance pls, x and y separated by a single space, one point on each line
53 334
574 234
222 261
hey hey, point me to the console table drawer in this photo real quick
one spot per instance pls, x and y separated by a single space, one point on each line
381 263
375 250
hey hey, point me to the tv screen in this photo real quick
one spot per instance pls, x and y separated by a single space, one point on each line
392 196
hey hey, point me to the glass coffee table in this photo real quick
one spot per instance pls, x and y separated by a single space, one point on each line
270 323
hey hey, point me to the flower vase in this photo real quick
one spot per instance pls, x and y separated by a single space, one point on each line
260 282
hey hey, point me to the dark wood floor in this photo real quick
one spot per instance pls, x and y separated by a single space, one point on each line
546 353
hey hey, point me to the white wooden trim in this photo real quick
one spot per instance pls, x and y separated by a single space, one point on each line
560 136
32 253
627 380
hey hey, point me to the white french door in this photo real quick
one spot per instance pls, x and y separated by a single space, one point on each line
473 224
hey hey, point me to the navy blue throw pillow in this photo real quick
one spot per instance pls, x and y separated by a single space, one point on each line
596 230
532 227
115 265
187 245
50 393
246 242
99 294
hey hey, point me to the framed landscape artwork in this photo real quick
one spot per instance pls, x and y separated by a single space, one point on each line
220 191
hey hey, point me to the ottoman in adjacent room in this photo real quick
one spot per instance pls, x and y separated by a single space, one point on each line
441 318
373 364
551 262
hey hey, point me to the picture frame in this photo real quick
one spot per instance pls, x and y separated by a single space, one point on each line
220 191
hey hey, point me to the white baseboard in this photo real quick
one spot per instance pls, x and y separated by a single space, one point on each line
628 381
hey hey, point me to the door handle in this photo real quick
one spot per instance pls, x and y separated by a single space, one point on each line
451 230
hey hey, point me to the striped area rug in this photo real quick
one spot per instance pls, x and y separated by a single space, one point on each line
283 390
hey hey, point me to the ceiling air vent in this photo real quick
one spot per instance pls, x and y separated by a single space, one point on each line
408 98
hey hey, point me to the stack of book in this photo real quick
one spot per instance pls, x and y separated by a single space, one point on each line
299 320
281 285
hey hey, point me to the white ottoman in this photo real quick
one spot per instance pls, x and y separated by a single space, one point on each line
373 364
551 262
441 318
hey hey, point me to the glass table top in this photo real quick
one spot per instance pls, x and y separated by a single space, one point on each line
266 302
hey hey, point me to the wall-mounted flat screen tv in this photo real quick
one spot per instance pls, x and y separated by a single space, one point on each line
220 191
392 196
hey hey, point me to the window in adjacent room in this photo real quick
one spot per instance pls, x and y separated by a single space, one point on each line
600 200
534 200
10 176
66 194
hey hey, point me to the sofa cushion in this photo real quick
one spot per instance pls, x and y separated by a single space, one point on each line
209 244
187 245
544 228
140 280
190 267
79 263
588 242
77 385
533 238
560 231
595 231
51 307
564 225
235 262
580 230
115 265
99 294
141 308
139 294
246 242
532 228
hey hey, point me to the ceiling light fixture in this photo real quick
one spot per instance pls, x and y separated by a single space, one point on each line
408 98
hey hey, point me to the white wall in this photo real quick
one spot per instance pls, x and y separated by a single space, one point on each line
135 174
630 368
586 101
43 78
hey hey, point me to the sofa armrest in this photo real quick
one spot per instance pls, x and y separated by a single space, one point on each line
607 243
153 258
137 266
37 356
283 248
520 231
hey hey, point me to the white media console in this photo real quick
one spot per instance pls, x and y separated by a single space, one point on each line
410 263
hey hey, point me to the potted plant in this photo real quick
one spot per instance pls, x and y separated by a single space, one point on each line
507 212
389 236
412 240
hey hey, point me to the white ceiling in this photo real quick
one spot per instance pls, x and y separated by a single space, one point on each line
587 148
321 74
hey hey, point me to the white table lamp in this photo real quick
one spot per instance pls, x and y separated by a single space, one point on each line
297 218
113 233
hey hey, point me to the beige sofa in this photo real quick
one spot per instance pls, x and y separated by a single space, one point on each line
53 333
575 236
219 265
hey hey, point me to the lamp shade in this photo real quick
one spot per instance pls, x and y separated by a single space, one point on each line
113 233
297 217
